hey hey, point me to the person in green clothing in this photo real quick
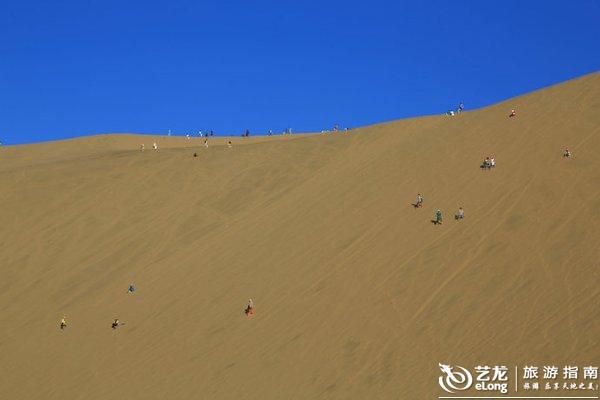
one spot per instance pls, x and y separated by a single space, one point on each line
438 217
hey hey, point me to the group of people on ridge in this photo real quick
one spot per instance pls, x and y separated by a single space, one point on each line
460 109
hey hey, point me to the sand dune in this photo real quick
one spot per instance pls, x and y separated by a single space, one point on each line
358 295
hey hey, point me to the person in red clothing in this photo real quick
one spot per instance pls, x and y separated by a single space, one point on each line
249 311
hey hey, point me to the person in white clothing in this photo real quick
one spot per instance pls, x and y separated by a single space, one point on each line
419 201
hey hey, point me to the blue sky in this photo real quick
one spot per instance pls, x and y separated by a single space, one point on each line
72 68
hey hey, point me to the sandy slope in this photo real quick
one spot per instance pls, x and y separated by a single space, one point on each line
358 295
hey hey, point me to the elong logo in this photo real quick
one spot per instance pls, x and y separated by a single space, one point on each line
452 381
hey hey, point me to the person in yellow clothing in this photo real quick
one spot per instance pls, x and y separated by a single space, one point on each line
63 322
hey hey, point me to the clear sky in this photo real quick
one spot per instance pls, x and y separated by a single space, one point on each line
71 68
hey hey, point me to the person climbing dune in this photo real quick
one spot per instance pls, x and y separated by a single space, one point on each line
460 214
438 218
249 310
419 201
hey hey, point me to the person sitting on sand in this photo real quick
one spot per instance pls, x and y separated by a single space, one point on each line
567 153
419 202
460 214
249 310
438 217
63 322
115 323
513 113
